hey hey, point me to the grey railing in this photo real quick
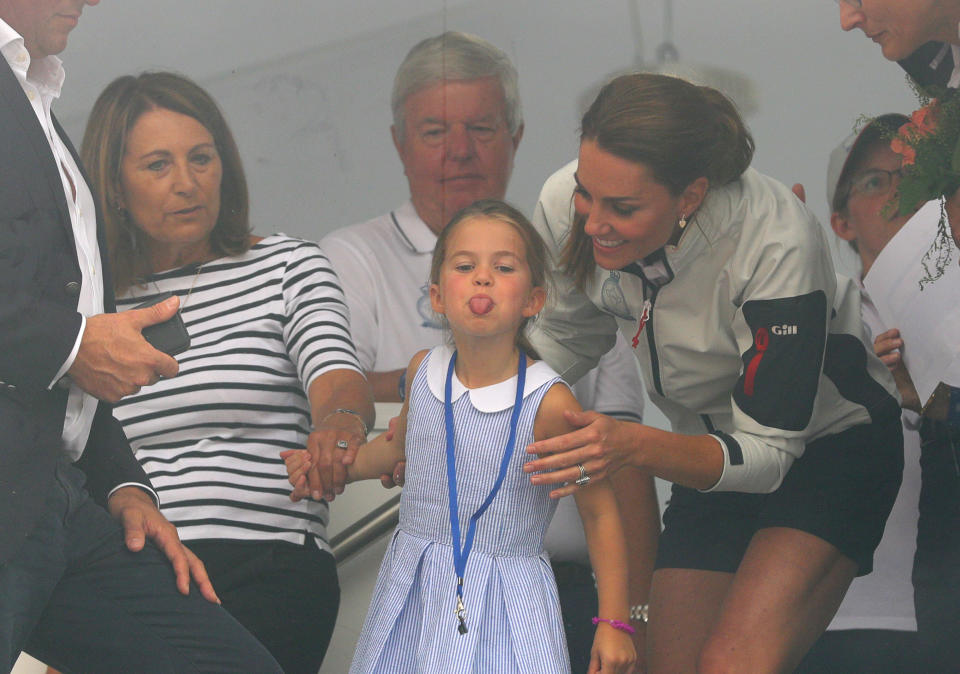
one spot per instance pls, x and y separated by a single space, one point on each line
354 538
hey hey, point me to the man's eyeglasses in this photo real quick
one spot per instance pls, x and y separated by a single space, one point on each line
872 182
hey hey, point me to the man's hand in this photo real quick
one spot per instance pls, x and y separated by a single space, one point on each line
141 520
114 360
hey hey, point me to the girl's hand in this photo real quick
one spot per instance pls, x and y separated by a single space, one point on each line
600 443
298 463
612 652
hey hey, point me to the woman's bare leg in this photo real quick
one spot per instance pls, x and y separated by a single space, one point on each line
684 606
784 594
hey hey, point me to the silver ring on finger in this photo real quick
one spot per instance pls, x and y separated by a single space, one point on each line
584 479
342 444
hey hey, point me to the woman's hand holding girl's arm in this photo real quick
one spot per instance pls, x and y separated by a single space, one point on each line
377 457
603 444
342 410
381 456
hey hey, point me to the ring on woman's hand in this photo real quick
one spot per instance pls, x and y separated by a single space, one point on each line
584 479
342 444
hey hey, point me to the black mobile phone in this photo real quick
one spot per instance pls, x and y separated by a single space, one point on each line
170 336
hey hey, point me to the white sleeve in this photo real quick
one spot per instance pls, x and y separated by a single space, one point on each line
356 280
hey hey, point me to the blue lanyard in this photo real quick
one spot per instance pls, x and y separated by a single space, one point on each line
460 556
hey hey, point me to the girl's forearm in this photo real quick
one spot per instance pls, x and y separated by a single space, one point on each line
608 551
377 457
640 517
610 566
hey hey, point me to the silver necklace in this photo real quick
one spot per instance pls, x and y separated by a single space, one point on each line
192 283
189 290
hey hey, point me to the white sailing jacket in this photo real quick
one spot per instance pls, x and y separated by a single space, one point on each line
742 330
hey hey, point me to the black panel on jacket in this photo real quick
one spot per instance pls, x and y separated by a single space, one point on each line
846 366
781 369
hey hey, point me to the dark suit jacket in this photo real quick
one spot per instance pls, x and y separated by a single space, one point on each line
39 289
923 66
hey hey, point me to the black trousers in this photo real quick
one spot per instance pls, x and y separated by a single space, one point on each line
936 565
287 595
863 652
76 598
578 604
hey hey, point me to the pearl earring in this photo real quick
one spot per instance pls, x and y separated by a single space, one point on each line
682 222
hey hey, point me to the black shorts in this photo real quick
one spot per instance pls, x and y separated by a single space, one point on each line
841 490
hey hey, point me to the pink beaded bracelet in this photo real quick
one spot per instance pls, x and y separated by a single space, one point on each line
615 624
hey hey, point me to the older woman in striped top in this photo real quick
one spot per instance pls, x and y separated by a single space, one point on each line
270 358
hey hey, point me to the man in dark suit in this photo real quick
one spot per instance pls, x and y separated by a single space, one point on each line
92 576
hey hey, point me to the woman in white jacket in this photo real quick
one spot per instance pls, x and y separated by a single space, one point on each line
786 450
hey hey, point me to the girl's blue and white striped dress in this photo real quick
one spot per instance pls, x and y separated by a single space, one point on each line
510 596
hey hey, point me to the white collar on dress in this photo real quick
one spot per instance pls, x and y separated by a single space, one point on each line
494 398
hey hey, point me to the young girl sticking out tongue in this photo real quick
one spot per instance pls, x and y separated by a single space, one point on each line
465 585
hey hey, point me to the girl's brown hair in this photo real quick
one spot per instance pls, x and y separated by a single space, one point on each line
678 130
536 251
114 114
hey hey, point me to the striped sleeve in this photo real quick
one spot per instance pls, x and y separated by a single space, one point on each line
316 327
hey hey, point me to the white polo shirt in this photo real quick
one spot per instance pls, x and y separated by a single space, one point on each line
384 268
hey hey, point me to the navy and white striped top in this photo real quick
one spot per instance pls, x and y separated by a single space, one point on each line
263 326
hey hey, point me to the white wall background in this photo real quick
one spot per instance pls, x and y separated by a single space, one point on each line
305 85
